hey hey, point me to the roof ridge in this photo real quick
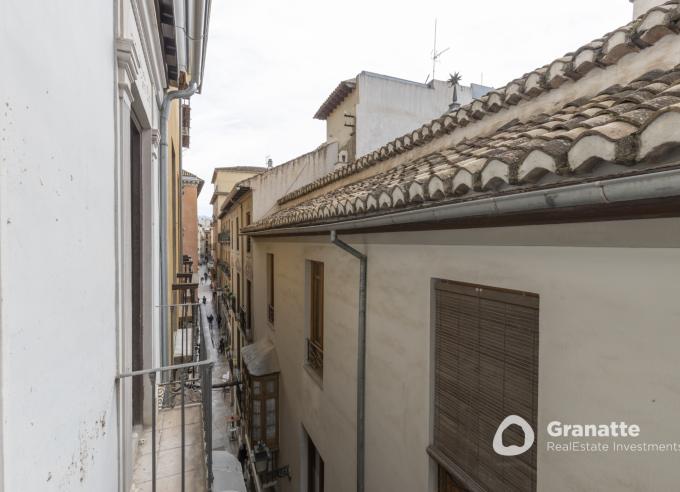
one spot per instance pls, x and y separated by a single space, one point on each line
627 129
635 36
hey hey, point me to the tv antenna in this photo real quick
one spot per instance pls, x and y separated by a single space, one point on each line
435 54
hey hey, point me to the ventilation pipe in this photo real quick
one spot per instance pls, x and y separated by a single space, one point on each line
361 357
163 212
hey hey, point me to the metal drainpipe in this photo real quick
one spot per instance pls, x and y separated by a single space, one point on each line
163 213
361 356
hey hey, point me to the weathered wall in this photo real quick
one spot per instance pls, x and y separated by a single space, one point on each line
284 178
608 331
57 246
388 108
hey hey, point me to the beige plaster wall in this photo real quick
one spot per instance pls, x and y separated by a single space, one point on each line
190 223
609 320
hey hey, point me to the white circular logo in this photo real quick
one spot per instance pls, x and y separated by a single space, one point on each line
513 450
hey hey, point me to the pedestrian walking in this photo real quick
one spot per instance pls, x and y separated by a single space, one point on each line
221 347
242 455
210 320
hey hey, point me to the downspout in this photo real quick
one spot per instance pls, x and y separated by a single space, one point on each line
361 356
163 213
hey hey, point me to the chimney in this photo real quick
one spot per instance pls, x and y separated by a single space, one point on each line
642 6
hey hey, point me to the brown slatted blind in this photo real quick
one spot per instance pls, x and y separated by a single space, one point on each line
486 368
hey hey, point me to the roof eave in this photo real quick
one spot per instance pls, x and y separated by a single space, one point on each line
645 186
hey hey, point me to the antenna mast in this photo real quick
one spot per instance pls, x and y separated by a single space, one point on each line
435 54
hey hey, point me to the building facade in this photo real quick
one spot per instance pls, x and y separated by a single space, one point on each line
191 188
363 113
99 213
514 257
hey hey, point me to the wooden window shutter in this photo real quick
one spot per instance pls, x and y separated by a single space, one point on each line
486 368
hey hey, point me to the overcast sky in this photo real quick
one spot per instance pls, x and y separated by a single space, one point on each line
270 64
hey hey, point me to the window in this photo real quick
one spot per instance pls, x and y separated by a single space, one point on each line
238 236
315 467
486 368
248 237
249 316
315 340
270 287
263 412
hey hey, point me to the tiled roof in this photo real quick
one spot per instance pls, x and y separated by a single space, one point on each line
242 169
343 90
621 130
187 174
637 35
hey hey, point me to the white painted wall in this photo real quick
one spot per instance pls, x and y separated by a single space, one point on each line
389 107
64 237
284 178
608 336
57 246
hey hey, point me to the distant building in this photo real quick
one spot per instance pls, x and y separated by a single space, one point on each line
520 258
191 188
224 179
371 109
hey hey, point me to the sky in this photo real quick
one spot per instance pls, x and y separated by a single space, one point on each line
271 63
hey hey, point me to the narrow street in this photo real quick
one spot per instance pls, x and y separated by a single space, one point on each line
226 468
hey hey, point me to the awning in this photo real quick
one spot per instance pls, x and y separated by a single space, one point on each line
260 358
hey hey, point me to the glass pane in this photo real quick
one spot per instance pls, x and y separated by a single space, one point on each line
271 404
271 432
270 387
256 387
256 407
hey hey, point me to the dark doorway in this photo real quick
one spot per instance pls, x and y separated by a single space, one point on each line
136 257
314 468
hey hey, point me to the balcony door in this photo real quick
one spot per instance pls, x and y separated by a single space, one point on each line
136 235
314 468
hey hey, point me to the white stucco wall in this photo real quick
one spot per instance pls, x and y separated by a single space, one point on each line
57 256
608 336
284 178
388 107
65 313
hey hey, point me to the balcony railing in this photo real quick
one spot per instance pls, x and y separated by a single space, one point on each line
223 238
270 313
315 356
180 385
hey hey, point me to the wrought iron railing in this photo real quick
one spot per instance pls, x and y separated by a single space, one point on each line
224 237
315 356
182 384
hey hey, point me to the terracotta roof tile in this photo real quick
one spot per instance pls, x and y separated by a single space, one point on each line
634 36
625 134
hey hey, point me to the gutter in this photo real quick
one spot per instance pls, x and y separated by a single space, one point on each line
662 184
361 357
163 212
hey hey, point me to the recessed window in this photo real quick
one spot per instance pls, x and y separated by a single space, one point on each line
485 369
270 287
315 340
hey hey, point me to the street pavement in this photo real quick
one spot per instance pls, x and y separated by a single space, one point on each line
226 467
